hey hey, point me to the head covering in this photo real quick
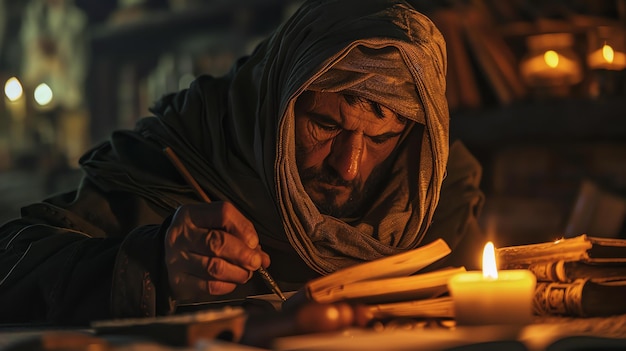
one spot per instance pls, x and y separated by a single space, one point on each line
236 133
379 75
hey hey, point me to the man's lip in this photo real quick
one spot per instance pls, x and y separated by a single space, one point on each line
331 186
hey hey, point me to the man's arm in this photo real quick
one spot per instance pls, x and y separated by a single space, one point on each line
53 274
58 262
102 255
62 276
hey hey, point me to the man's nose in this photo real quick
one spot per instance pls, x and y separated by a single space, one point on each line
346 154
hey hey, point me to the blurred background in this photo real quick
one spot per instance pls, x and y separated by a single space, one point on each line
536 90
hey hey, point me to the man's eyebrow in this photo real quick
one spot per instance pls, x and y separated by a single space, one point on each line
323 117
320 117
387 135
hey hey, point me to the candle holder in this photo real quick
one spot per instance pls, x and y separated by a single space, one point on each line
551 67
606 59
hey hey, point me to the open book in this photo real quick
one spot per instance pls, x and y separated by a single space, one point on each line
414 287
386 279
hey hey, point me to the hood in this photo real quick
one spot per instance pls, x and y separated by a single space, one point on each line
236 136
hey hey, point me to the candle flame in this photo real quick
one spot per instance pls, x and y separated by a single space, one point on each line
490 269
608 53
551 58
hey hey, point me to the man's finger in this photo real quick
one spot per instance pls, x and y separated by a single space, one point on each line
189 288
222 215
214 268
218 243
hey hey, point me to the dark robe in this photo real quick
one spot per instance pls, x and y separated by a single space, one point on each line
97 252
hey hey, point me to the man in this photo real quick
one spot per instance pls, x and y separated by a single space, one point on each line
326 147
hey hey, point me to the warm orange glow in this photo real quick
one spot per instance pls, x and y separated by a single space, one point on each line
332 314
551 58
608 53
490 269
607 57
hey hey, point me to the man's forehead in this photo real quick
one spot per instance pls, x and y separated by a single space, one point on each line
314 100
375 74
352 114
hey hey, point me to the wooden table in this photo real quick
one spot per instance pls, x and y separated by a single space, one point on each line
546 333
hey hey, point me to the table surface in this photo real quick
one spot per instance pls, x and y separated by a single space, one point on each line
546 333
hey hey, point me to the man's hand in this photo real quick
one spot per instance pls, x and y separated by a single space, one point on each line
209 249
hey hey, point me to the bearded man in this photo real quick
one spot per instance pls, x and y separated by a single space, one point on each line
326 147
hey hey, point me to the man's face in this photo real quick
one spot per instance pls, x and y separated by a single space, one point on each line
341 149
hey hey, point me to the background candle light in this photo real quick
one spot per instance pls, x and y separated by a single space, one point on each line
15 103
606 59
607 48
551 67
492 297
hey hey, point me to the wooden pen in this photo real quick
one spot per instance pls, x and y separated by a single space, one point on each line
271 283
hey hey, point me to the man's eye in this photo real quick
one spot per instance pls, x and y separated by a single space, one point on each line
327 127
380 139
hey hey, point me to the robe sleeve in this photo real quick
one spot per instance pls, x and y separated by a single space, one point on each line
60 264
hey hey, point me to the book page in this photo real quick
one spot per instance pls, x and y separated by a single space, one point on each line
414 287
393 266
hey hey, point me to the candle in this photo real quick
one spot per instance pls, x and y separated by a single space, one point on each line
550 68
551 65
492 297
607 58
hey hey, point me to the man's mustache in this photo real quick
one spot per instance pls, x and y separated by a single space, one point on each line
326 175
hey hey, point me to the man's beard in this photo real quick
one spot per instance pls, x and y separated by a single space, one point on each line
327 204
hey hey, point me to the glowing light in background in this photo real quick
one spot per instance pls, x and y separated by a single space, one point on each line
551 58
13 89
43 94
608 53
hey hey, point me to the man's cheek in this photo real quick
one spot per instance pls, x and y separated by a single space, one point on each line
312 158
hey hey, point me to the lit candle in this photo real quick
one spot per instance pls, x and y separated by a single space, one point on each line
607 58
550 68
492 297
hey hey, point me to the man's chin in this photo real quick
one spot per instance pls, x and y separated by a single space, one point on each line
332 200
332 206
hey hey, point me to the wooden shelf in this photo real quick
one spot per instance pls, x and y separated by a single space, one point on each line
167 30
124 52
566 120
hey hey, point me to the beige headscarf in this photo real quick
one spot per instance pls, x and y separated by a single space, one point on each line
378 75
406 74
